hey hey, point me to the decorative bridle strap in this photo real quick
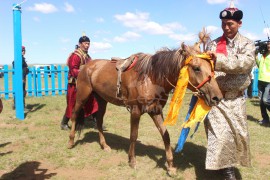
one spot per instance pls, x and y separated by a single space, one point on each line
202 56
208 58
206 80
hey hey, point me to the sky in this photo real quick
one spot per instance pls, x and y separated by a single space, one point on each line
119 28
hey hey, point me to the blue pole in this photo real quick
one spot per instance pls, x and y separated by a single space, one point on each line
18 81
255 90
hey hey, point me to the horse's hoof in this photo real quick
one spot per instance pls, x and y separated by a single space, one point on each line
132 165
171 171
70 145
107 148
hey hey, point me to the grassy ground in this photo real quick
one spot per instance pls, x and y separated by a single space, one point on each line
36 148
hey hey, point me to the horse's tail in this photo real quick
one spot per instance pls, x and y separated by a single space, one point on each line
79 122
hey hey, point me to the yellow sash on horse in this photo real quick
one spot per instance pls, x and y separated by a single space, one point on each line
199 111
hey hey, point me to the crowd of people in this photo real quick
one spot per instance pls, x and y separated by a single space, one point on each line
226 124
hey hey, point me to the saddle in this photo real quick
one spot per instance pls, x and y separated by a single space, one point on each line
123 65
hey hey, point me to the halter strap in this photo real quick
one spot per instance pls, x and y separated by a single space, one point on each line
208 58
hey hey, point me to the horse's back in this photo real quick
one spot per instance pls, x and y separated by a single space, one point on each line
103 79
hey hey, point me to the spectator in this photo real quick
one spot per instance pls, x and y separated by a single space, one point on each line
264 83
75 62
25 71
226 125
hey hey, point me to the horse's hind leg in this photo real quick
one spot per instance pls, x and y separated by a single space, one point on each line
77 113
158 120
102 104
82 95
134 126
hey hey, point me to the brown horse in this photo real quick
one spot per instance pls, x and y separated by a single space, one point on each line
145 89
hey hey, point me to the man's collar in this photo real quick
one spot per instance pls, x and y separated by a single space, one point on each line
235 37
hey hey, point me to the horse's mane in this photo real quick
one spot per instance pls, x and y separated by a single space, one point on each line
165 63
158 66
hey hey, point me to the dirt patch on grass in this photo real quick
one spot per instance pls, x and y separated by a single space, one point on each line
263 160
43 170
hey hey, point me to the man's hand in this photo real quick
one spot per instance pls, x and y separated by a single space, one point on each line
213 55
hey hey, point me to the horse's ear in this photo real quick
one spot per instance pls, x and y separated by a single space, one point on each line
184 50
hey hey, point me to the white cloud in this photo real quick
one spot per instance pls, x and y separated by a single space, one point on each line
43 8
69 8
133 20
212 29
175 26
251 36
235 2
266 32
127 37
216 1
184 37
36 19
140 22
155 28
64 40
99 20
99 47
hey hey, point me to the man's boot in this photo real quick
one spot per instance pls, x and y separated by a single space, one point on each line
229 173
64 123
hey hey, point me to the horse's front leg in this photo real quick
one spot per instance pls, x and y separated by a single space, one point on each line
134 126
158 120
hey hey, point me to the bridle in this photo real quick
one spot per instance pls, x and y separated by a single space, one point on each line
207 58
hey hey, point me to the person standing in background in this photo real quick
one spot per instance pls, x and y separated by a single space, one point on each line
75 62
264 84
25 71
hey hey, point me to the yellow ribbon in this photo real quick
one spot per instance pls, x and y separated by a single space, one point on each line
207 57
177 98
199 111
178 95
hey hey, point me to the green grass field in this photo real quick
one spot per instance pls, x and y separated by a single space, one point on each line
36 148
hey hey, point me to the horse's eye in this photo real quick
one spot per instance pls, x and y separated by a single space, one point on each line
196 69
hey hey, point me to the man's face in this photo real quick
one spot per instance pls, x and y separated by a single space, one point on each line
268 46
85 46
230 27
23 52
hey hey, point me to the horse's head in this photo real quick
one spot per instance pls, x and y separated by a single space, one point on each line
201 71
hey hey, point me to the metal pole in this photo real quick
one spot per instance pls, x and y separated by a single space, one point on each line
18 80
